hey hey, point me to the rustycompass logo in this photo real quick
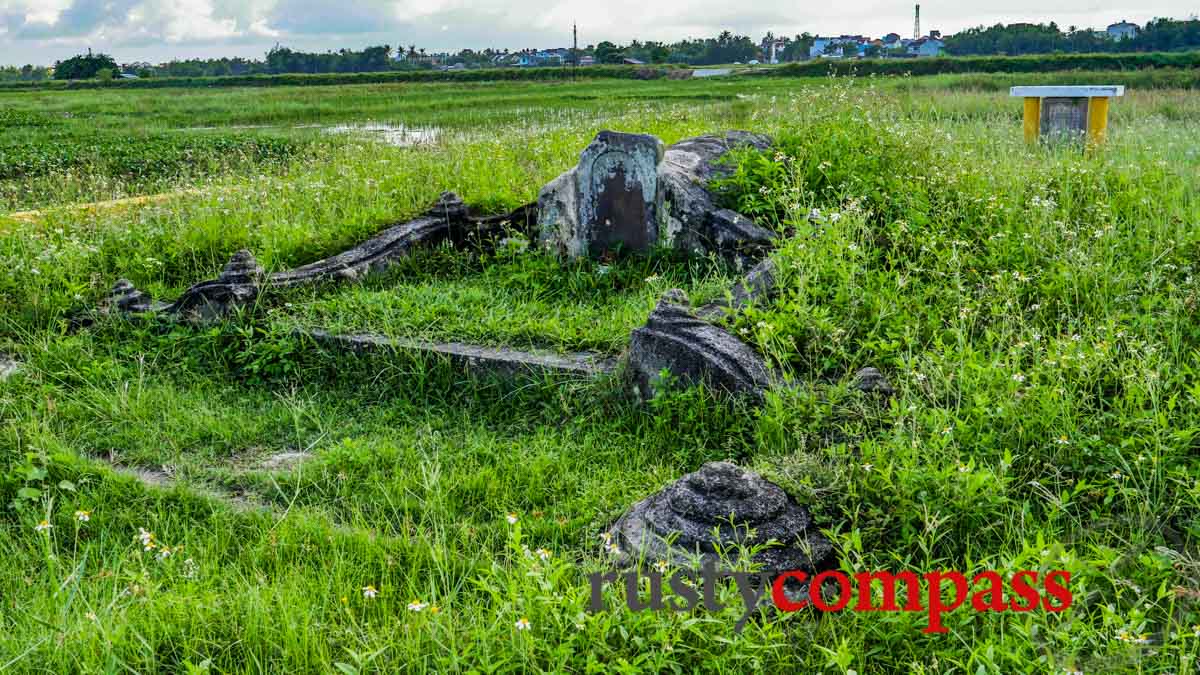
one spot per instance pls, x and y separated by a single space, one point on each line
931 593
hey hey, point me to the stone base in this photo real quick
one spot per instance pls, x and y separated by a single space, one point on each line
677 524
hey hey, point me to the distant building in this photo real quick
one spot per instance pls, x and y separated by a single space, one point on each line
926 46
1122 31
774 49
632 62
835 47
587 60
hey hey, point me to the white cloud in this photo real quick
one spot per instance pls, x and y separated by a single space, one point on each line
45 30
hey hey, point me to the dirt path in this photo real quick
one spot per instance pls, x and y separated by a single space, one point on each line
36 215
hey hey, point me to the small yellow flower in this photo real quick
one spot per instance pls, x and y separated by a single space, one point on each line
511 518
434 609
369 592
83 516
43 526
522 624
661 566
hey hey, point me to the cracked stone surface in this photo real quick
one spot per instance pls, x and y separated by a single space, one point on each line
691 349
609 201
695 224
677 524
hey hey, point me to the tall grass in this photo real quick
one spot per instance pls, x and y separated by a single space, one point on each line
1033 307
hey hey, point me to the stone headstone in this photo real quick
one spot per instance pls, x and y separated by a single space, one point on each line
676 340
608 202
716 507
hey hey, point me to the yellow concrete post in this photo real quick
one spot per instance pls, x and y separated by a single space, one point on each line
1097 120
1071 111
1033 118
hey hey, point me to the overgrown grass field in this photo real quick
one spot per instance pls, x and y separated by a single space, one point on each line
1034 308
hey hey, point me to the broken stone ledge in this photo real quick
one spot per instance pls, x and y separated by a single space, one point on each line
242 280
499 361
693 350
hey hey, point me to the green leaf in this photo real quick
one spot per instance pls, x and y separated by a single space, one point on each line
29 493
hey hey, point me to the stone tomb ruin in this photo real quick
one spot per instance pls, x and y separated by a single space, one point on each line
628 194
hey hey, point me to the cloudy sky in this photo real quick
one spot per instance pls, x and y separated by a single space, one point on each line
42 31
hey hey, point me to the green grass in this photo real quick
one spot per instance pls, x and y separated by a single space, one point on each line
82 146
1033 306
517 298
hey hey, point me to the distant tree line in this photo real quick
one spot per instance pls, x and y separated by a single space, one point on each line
725 48
26 73
1159 35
